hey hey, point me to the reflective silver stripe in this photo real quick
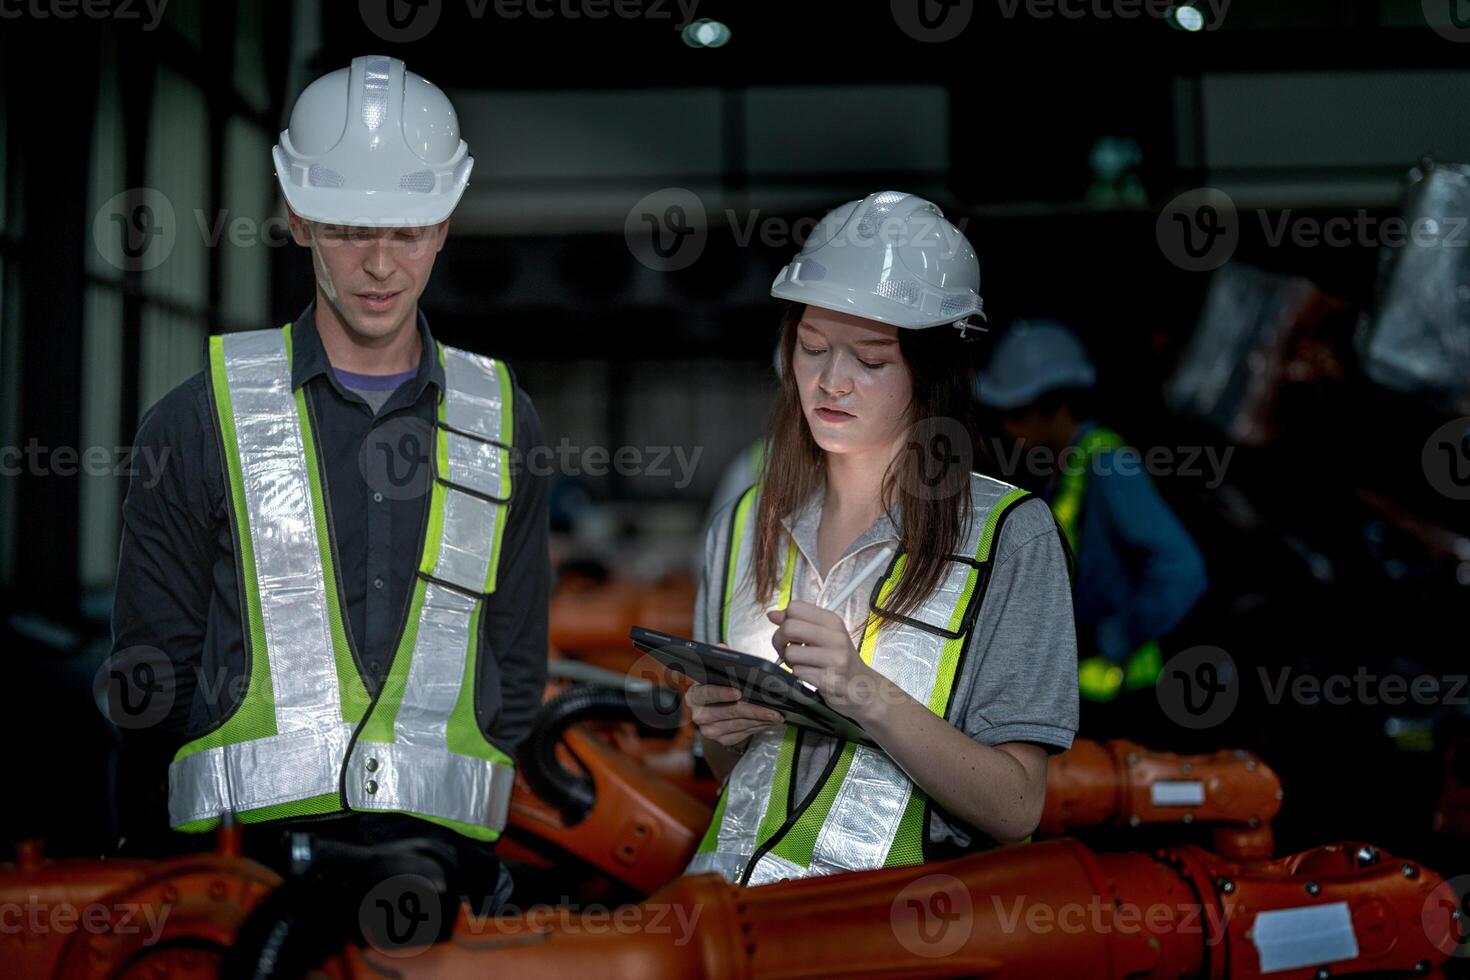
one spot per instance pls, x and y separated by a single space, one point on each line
417 772
466 540
477 465
910 657
304 757
437 667
751 780
288 562
472 397
727 866
427 779
863 823
472 404
773 868
749 794
258 773
375 88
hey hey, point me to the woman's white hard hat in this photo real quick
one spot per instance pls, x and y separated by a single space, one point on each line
891 257
373 145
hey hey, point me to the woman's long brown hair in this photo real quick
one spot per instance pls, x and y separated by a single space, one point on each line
928 481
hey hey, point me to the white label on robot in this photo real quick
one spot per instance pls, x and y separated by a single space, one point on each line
1183 792
1290 938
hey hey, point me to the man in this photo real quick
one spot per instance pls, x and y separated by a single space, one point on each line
1138 572
346 572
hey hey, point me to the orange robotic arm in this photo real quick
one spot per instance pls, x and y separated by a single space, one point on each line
82 919
1121 783
577 794
1054 909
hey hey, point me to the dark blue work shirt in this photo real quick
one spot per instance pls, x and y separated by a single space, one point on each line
1139 572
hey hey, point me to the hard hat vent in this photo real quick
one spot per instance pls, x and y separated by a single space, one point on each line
955 306
419 180
320 176
901 290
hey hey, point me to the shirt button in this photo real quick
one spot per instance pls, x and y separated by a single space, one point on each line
377 583
377 498
373 666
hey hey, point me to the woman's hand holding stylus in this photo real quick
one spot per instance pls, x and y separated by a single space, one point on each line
816 645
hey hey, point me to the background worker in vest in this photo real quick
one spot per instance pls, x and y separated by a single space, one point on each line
1138 572
315 576
965 689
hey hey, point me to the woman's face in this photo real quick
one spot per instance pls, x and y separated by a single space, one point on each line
855 385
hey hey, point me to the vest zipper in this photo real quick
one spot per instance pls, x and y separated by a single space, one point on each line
346 620
795 815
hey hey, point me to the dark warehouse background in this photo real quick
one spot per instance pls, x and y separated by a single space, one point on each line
1063 143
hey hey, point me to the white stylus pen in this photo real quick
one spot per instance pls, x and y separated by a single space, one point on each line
879 560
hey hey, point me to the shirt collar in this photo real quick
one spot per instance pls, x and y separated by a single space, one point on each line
309 357
802 525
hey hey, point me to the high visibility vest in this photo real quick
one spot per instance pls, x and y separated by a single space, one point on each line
307 738
1071 492
1099 678
864 812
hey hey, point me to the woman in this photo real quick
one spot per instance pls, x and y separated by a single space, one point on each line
957 654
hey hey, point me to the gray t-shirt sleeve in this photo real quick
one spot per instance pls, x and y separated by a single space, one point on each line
1018 680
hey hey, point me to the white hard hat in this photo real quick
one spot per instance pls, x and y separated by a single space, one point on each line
1030 359
373 145
891 257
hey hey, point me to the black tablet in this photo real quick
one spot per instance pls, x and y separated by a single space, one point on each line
759 681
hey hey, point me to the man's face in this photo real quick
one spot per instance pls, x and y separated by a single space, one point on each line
1025 425
372 277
